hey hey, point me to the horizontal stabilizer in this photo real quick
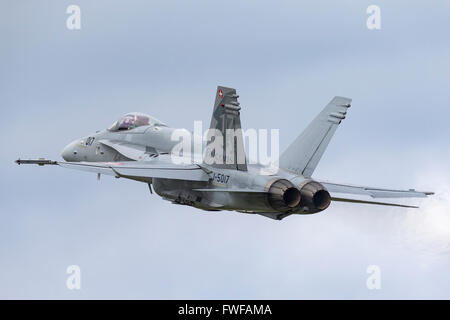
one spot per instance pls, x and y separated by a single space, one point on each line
372 202
232 190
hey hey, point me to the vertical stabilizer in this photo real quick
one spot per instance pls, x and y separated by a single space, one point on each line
303 155
225 145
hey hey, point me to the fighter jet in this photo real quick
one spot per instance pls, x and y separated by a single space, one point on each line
140 147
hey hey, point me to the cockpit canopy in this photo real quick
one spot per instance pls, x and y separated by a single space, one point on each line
134 120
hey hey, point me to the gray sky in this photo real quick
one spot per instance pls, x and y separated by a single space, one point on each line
287 60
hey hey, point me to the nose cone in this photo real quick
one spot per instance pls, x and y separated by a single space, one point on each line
69 153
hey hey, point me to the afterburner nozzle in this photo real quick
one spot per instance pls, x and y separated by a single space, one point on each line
283 195
314 196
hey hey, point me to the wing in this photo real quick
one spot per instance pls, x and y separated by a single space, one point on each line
160 167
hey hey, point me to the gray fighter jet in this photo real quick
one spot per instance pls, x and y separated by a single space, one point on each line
140 147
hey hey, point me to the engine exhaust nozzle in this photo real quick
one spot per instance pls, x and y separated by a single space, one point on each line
283 195
314 196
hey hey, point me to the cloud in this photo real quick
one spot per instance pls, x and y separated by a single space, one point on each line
428 229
